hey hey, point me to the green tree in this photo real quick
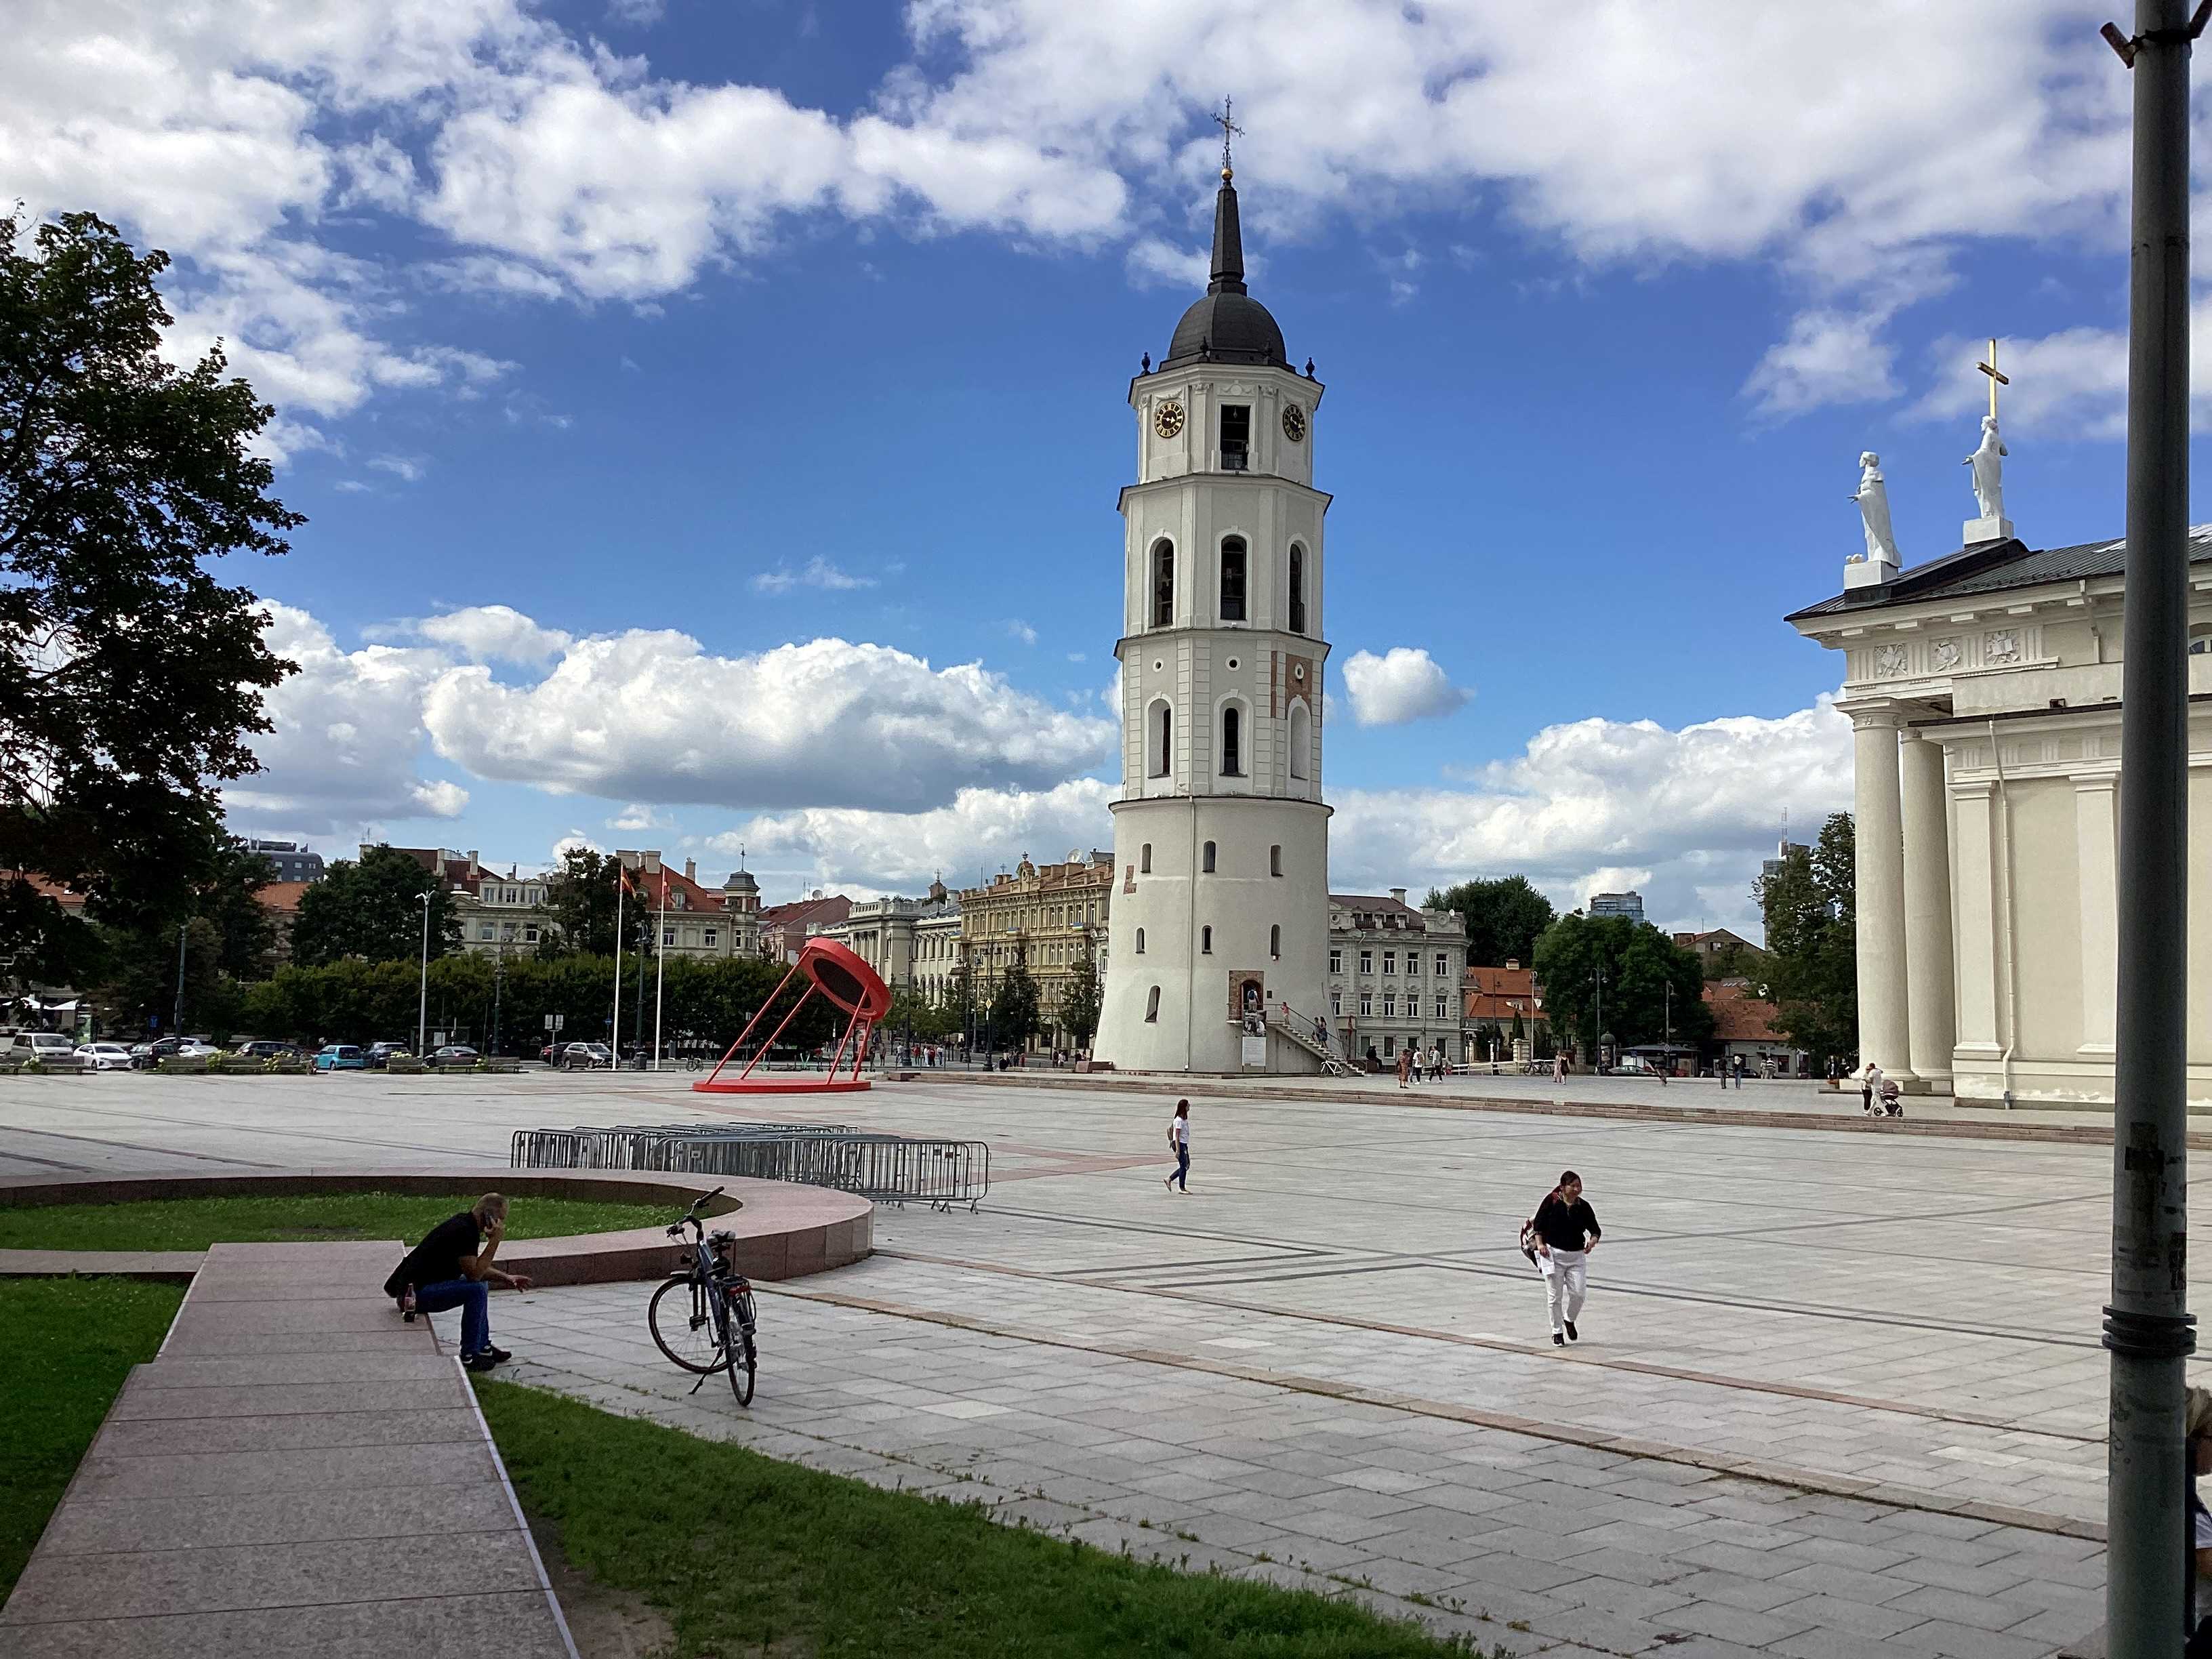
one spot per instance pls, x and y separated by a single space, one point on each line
372 909
1810 907
1015 1015
130 680
231 941
1078 1011
1505 917
1640 964
581 897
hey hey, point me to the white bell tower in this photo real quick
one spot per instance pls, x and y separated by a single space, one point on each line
1220 906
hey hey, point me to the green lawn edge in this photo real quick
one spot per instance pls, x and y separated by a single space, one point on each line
66 1347
744 1554
193 1223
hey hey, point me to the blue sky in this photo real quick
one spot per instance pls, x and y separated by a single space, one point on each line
701 339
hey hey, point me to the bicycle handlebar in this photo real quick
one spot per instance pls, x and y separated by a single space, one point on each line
691 1215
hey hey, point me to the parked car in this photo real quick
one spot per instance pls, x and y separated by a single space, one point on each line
453 1054
196 1048
379 1055
48 1047
103 1056
341 1057
266 1048
586 1056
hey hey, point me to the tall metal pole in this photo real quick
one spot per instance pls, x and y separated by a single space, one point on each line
422 999
614 1020
659 965
177 1019
2147 1328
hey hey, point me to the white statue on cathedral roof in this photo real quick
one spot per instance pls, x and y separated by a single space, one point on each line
1872 498
1988 462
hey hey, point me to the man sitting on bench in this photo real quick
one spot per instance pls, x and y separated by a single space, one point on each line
452 1268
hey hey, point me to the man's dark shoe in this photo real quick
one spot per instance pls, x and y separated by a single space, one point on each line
480 1362
501 1356
1573 1336
1559 1341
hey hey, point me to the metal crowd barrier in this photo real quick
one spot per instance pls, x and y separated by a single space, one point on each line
896 1170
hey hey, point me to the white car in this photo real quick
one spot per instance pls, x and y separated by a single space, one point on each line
48 1047
103 1056
193 1048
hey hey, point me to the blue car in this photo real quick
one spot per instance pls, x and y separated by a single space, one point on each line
341 1057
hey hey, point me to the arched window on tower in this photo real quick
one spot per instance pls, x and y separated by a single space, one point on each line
1159 739
1301 739
1297 589
1232 579
1144 860
1232 741
1205 941
1141 941
1162 584
1206 859
1275 943
1152 1006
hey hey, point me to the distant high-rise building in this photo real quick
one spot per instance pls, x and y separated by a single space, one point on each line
293 859
1772 866
1629 904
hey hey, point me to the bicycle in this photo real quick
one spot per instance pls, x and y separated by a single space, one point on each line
703 1318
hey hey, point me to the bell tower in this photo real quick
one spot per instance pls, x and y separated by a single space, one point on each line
1220 908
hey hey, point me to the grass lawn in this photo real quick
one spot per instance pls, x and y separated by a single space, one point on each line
65 1346
193 1223
744 1555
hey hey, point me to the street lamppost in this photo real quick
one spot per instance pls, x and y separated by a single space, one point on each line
423 997
1597 1045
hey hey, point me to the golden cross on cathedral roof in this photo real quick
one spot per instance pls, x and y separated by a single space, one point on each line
1228 130
1997 380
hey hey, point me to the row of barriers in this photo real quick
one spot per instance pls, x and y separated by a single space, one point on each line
885 1169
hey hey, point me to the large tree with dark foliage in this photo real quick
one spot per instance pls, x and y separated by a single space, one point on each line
372 910
1810 905
580 896
1640 963
1505 917
130 680
230 941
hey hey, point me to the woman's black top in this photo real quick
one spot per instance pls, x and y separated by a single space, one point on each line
1566 1226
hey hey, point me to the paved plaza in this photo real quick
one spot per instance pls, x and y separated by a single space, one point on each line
1837 1392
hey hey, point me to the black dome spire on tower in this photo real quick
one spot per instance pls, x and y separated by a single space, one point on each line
1226 324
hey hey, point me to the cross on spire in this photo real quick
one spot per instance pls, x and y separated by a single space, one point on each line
1228 130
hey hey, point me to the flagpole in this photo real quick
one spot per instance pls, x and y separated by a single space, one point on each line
660 966
614 1025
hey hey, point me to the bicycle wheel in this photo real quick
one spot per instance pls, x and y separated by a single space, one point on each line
746 1361
683 1325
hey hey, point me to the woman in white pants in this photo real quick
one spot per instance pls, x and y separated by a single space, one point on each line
1564 1230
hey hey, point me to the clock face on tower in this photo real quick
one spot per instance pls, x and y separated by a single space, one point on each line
1294 422
1168 421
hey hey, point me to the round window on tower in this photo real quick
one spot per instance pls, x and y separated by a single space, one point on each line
1158 667
1232 663
1299 672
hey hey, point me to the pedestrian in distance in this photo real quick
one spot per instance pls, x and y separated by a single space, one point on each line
1869 1087
1561 1234
1179 1143
1414 1063
1404 1066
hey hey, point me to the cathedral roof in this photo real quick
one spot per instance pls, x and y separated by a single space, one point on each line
1995 567
1226 324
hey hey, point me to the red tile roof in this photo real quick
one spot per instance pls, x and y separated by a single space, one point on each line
1491 993
1739 1014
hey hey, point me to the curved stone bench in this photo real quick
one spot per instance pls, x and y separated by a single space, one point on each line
785 1230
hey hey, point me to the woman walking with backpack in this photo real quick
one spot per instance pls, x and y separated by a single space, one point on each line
1558 1239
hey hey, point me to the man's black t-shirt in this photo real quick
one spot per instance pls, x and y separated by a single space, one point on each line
1566 1226
437 1259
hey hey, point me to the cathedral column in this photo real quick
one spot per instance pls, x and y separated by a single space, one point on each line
1929 984
1884 1020
2096 855
1977 943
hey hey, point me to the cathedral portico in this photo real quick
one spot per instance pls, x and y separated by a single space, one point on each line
1884 1017
1930 1025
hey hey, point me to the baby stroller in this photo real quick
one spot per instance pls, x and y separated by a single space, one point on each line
1891 1102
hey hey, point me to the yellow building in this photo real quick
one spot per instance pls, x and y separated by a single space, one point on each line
1047 917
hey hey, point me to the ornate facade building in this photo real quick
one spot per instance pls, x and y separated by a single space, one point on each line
1396 977
1220 928
886 932
1047 917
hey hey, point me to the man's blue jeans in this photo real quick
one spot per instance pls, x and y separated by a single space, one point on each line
469 1295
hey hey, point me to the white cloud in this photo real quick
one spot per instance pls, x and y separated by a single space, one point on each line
902 852
1402 685
654 716
1684 814
817 572
490 632
1154 262
406 468
2071 382
347 749
1020 630
1829 357
638 816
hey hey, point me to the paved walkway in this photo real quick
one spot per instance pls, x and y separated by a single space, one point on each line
297 1472
1520 1540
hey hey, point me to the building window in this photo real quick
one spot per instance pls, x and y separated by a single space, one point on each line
1236 437
1144 858
1367 962
1301 739
1443 1009
1232 579
1297 589
1390 1004
1205 859
668 936
530 934
1335 1003
484 930
713 938
1275 944
1389 961
1366 1004
1336 962
1444 965
1412 965
1159 739
1162 584
1141 941
1205 941
1274 861
1389 1047
1152 1006
1232 741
